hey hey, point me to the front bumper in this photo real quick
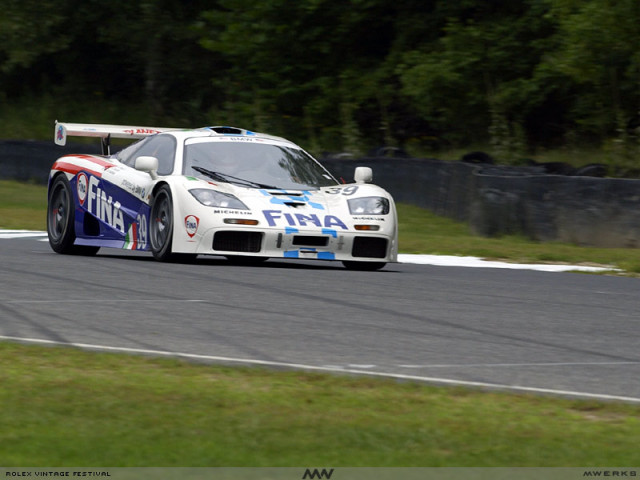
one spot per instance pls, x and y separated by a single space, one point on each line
325 244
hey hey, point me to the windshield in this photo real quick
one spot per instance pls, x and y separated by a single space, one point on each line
267 165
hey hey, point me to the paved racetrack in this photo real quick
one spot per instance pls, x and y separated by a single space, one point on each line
560 333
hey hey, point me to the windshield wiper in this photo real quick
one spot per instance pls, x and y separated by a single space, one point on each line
225 177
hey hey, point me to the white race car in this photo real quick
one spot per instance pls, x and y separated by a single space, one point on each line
214 191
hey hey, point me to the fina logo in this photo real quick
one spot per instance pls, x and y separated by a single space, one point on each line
82 188
191 223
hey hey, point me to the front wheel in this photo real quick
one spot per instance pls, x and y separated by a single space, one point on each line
363 266
161 224
60 219
161 228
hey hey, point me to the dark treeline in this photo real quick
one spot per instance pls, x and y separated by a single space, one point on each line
341 76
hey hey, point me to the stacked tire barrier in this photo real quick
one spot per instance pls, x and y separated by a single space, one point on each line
493 200
500 200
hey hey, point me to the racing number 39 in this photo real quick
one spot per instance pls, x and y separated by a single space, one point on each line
344 191
141 220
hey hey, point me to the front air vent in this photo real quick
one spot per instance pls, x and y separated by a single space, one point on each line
230 241
310 241
369 247
286 193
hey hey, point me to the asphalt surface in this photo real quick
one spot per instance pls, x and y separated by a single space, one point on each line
548 333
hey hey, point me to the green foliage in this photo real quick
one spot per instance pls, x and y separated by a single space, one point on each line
340 76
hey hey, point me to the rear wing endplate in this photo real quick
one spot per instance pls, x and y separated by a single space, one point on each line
105 132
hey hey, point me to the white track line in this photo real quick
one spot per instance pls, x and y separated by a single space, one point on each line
8 234
541 364
439 260
455 261
247 361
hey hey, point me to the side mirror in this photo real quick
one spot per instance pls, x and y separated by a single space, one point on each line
363 175
147 164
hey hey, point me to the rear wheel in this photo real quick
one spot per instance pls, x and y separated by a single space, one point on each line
363 266
60 220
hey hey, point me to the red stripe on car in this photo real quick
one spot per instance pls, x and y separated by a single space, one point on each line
73 169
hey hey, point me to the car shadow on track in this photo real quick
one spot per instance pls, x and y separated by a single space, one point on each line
210 260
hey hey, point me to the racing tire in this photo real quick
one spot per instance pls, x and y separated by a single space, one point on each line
161 225
61 218
161 228
363 266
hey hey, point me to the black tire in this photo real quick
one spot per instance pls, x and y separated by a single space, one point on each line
363 266
60 220
161 224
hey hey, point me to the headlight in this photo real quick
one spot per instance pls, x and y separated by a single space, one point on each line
369 206
212 198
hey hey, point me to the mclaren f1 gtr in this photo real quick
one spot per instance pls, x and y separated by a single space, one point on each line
214 191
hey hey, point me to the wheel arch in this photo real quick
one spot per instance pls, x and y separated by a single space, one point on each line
154 191
52 179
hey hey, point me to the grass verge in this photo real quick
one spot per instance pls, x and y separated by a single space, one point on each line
66 407
23 205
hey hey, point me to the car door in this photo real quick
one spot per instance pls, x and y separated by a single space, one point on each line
131 188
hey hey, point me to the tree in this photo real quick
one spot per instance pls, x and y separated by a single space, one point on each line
480 76
598 51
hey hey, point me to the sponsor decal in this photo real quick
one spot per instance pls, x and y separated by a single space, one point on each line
60 134
82 187
136 237
127 185
278 218
371 219
232 212
239 139
309 253
133 189
191 223
304 197
143 131
103 206
131 239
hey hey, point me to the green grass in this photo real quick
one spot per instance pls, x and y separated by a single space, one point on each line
23 205
66 407
423 232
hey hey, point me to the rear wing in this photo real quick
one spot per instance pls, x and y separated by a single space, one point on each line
104 132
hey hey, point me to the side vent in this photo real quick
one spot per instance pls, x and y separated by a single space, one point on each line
90 225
